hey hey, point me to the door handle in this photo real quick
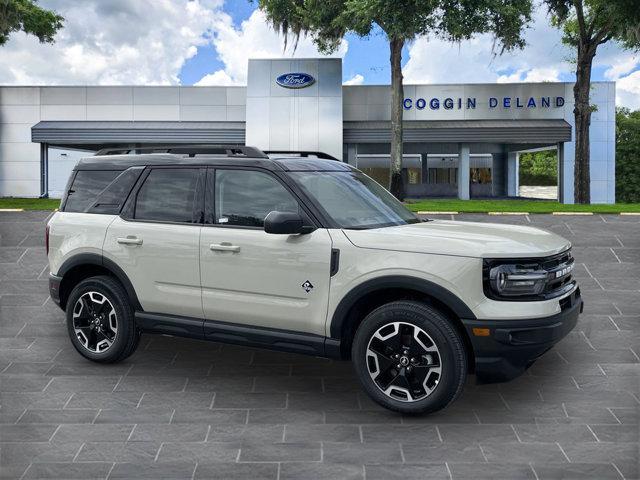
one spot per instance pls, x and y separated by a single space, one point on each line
224 247
129 240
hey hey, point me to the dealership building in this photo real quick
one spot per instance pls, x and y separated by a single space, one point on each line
460 140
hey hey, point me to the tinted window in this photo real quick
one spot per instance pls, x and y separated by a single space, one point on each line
244 197
113 197
354 200
167 195
85 188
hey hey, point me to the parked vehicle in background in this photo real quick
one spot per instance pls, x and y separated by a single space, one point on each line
307 255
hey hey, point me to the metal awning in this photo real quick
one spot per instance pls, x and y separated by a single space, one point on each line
100 133
476 131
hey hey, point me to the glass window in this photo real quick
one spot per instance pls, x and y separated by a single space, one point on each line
245 197
87 185
480 175
167 195
113 197
354 200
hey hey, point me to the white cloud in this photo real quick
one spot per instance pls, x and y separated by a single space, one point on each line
628 91
253 39
436 61
114 42
357 79
531 75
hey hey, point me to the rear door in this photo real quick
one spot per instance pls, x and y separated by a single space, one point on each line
252 277
156 240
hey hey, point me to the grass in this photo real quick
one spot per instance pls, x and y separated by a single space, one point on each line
530 206
30 203
432 205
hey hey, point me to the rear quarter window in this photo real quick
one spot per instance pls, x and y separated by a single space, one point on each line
85 188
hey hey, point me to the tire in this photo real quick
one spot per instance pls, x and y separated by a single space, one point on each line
390 336
100 320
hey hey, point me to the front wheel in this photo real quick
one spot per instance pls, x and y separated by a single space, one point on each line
100 320
409 358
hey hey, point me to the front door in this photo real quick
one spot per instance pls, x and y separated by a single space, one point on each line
157 243
254 278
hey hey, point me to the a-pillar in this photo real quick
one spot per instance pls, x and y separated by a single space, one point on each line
463 171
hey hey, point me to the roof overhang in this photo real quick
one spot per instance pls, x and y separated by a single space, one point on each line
475 131
101 133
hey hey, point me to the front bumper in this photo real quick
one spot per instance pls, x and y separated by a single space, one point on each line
54 288
504 349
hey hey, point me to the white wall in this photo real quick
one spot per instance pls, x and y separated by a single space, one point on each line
23 107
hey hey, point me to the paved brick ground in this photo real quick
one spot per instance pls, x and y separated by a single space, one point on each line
184 409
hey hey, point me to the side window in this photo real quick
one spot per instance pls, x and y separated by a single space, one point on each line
245 197
86 186
168 195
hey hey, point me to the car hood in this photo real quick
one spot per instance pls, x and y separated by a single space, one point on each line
470 239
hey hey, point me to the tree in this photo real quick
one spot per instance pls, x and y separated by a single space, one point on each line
327 21
28 17
627 156
587 24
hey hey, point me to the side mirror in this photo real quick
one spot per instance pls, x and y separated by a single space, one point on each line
284 223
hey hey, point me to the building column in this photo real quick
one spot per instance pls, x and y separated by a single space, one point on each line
513 166
463 171
352 153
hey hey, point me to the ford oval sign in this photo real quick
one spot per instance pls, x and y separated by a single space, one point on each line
295 80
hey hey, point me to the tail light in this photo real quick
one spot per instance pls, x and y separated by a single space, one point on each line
46 239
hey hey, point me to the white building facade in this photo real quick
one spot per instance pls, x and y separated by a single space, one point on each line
460 140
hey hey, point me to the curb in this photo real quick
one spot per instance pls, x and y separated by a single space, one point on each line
630 214
11 209
571 213
508 213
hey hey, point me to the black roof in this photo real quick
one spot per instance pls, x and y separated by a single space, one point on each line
284 163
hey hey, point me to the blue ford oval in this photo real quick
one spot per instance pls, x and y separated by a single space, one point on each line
295 80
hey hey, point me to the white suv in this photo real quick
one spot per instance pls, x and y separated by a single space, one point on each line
307 255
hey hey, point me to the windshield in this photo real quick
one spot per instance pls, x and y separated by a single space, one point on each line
354 200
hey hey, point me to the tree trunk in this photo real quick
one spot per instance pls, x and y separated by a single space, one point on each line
396 185
582 114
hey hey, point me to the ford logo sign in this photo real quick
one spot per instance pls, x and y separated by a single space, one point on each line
295 80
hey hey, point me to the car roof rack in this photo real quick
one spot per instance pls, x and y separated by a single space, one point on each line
240 151
300 153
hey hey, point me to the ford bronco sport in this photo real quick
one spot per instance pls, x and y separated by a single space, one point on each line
303 254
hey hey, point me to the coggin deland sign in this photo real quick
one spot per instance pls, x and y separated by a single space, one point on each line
469 103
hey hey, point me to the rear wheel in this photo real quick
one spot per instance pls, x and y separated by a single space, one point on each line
100 320
409 358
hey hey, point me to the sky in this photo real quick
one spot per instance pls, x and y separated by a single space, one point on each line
208 42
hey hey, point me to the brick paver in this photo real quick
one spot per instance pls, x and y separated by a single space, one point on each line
185 409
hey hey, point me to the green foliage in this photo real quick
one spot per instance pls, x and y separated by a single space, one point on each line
597 21
28 17
627 155
529 206
327 21
539 168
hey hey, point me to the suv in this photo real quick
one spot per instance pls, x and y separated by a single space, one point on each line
307 255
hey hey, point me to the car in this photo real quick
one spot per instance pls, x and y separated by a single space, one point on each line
305 254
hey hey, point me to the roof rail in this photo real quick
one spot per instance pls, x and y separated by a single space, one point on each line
190 150
300 153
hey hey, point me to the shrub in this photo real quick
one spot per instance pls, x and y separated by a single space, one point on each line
627 156
539 168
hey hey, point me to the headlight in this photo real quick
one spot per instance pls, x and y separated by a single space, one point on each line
528 279
513 280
